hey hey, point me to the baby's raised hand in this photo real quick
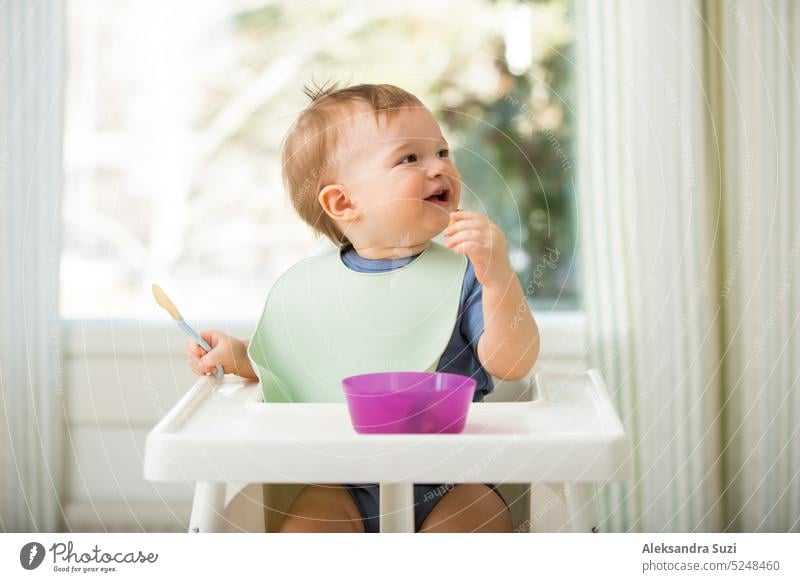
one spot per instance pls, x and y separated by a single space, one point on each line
483 242
226 350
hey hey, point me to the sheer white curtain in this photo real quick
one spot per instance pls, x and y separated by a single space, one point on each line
31 85
756 76
681 269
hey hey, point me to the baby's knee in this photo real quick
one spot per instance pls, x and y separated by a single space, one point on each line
469 507
321 509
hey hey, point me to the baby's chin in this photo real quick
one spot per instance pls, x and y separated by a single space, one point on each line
411 229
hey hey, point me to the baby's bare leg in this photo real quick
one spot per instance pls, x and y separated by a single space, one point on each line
323 508
469 507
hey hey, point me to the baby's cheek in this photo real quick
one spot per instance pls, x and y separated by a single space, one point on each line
411 183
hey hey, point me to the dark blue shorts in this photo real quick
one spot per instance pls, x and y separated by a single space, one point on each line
367 499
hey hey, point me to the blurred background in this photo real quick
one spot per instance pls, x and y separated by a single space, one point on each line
639 156
173 127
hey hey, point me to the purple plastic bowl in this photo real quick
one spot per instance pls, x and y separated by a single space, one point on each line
408 402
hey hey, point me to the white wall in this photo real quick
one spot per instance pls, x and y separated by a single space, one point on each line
121 377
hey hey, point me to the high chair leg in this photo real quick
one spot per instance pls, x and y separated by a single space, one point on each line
563 507
582 508
397 507
208 508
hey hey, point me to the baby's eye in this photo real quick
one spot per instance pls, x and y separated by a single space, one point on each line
445 153
409 159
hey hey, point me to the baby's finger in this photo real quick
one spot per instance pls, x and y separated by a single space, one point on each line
194 360
467 247
463 225
201 369
194 348
211 359
210 336
458 215
466 235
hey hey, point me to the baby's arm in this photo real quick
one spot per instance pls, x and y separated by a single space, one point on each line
509 345
229 351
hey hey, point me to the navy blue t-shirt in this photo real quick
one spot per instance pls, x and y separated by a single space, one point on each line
461 354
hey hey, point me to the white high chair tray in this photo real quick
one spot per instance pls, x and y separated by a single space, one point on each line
223 432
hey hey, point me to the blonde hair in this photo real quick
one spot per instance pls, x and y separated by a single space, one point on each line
306 152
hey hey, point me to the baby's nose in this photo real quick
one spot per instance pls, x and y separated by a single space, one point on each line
435 169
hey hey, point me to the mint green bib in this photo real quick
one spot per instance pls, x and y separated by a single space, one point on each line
322 322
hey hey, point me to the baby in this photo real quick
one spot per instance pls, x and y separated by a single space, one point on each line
368 167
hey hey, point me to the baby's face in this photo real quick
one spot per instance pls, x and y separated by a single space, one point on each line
401 178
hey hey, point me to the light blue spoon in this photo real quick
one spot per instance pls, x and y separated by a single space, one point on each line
169 307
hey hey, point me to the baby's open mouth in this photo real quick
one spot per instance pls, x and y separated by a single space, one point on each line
440 197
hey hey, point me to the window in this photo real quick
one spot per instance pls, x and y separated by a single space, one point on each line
175 115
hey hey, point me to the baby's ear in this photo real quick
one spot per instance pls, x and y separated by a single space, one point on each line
337 203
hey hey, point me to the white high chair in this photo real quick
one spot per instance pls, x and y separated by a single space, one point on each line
222 437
